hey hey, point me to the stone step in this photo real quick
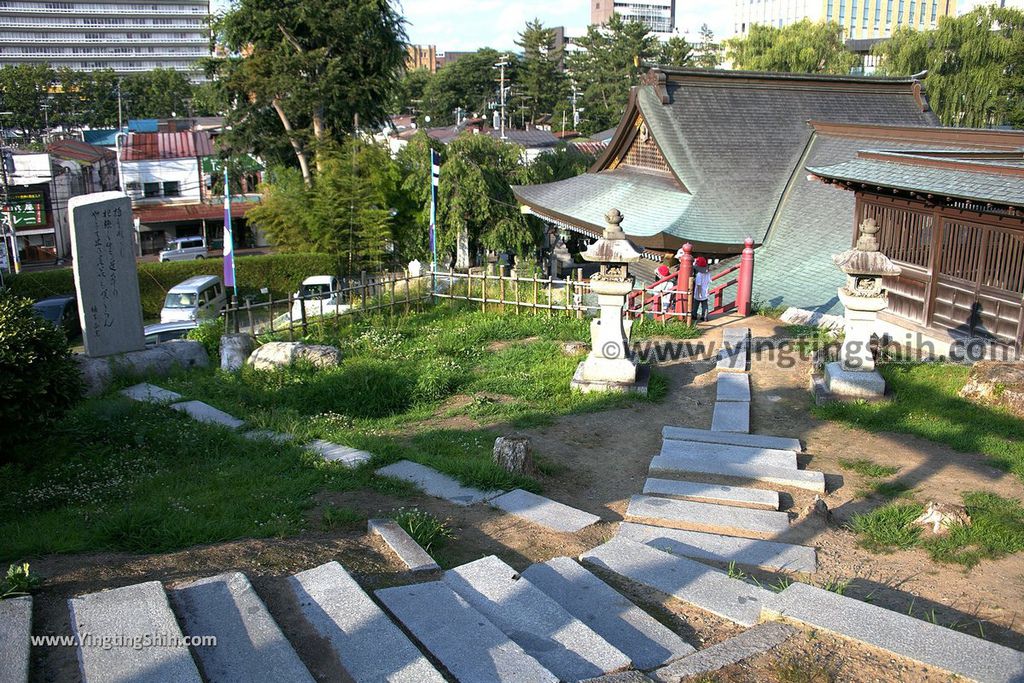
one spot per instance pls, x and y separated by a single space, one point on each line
781 476
751 642
732 387
731 416
563 644
735 352
708 516
544 511
469 646
408 550
744 455
15 632
150 393
204 412
268 435
250 646
712 493
686 580
752 440
364 640
436 484
895 632
735 335
612 616
336 452
707 547
132 612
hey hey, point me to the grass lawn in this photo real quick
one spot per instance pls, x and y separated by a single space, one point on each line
119 475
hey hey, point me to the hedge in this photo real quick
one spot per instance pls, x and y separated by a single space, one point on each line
281 273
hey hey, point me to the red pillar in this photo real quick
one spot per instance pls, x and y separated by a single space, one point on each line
745 287
683 283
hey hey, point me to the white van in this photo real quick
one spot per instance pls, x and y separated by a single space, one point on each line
185 249
321 295
197 298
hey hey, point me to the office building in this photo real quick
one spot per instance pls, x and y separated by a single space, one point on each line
659 15
859 18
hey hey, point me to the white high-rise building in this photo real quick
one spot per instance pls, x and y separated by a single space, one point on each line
658 15
124 35
860 19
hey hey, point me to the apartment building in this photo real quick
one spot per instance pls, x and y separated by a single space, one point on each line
658 15
124 35
860 18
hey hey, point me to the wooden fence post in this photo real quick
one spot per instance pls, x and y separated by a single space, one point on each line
302 313
550 297
501 288
291 333
362 283
535 292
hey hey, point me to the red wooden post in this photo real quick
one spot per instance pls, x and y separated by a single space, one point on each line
683 282
745 287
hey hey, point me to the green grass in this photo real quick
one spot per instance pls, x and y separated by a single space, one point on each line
428 531
333 517
868 468
888 527
885 489
926 405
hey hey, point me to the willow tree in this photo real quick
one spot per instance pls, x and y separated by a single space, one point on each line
801 47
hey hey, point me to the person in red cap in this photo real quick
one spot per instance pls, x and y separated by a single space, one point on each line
701 284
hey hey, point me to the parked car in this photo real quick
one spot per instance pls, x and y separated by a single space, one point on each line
321 295
185 249
197 298
62 312
159 333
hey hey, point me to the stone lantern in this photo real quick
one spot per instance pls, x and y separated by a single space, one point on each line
854 374
610 365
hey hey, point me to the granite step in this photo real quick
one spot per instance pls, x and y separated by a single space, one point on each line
204 412
896 632
708 516
436 484
250 646
408 550
734 355
15 634
744 455
707 547
732 387
712 493
563 644
731 416
752 440
687 580
134 612
336 452
754 641
544 511
364 640
612 616
150 393
469 646
780 476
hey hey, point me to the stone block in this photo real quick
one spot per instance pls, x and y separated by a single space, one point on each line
514 454
799 316
761 638
732 387
408 550
712 493
161 360
735 335
274 355
544 511
612 616
563 644
234 350
731 416
366 642
204 412
850 384
899 633
745 455
336 452
707 516
250 645
15 634
150 393
130 614
752 440
267 435
620 677
463 640
782 476
708 547
436 484
637 386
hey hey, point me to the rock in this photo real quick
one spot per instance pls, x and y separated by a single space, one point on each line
816 514
160 360
941 516
514 454
234 350
997 381
275 355
575 348
799 316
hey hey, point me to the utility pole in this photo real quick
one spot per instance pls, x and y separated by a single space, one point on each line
575 112
6 168
120 121
502 64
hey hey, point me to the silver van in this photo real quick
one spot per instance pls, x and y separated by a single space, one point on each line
197 298
185 249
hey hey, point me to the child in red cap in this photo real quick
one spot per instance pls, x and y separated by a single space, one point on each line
701 284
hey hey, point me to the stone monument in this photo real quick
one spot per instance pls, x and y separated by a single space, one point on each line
854 375
106 279
610 366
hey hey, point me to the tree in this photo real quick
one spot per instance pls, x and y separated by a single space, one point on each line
408 96
469 84
676 52
609 64
209 99
802 47
564 161
25 90
708 55
156 93
904 54
539 78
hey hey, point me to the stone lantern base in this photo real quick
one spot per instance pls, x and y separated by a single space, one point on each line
844 384
636 386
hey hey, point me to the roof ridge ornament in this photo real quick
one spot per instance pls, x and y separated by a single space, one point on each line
657 79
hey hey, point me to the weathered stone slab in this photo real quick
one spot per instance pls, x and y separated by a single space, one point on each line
705 516
409 551
852 384
699 545
130 613
687 580
734 355
800 316
612 616
745 455
204 412
731 416
336 452
760 638
544 511
15 631
753 440
106 279
436 484
732 387
904 635
735 335
563 644
463 640
782 476
235 350
275 355
250 646
620 677
150 393
712 493
267 435
161 360
366 642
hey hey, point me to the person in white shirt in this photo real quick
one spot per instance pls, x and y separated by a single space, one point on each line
701 284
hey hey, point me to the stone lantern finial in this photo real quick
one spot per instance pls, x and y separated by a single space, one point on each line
614 229
867 240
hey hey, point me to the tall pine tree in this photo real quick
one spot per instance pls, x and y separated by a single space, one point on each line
540 79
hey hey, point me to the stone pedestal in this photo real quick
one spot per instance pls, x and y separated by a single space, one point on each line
609 366
854 376
853 384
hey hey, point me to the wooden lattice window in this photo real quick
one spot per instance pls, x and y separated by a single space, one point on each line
904 236
1004 262
962 246
644 152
